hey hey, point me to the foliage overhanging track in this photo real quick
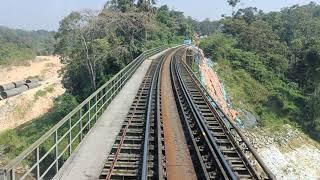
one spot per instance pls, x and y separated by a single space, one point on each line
217 153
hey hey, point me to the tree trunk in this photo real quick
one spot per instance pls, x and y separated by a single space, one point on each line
92 75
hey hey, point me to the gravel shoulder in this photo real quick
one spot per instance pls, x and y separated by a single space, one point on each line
289 153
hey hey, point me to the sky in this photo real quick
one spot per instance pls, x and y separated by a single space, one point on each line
46 14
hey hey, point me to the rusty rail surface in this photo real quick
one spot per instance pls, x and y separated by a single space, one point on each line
138 151
220 150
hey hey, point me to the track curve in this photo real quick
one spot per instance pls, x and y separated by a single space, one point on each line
214 144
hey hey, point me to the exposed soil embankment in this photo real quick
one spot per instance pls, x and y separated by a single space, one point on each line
31 104
215 87
289 153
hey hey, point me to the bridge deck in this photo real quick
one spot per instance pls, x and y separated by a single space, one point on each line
88 160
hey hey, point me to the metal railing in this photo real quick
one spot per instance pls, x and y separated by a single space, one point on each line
44 158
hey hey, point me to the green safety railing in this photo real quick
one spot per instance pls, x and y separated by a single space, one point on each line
44 158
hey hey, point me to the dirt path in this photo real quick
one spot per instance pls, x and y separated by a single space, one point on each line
179 163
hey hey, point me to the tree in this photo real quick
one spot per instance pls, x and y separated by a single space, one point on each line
122 5
207 27
279 51
18 45
127 5
248 14
151 2
233 4
146 5
77 44
312 61
96 45
313 106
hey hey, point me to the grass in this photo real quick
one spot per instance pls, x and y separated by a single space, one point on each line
22 109
17 58
49 89
33 77
263 101
50 65
246 93
14 141
41 93
13 64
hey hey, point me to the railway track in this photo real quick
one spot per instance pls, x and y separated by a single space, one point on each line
138 152
217 147
218 151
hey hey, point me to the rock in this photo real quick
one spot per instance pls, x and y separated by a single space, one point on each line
249 119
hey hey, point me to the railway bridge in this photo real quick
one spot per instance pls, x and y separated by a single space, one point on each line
153 120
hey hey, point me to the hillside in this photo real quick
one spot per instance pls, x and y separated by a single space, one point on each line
16 45
31 104
286 151
270 63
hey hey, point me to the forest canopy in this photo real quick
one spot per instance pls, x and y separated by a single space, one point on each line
20 45
275 53
280 52
96 45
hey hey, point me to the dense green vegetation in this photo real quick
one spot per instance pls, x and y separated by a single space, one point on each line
95 46
13 142
271 63
20 45
204 27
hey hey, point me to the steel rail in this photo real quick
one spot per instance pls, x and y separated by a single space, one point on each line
139 98
196 161
158 118
147 112
225 169
113 86
218 152
154 90
232 124
197 90
161 164
124 133
227 131
144 173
